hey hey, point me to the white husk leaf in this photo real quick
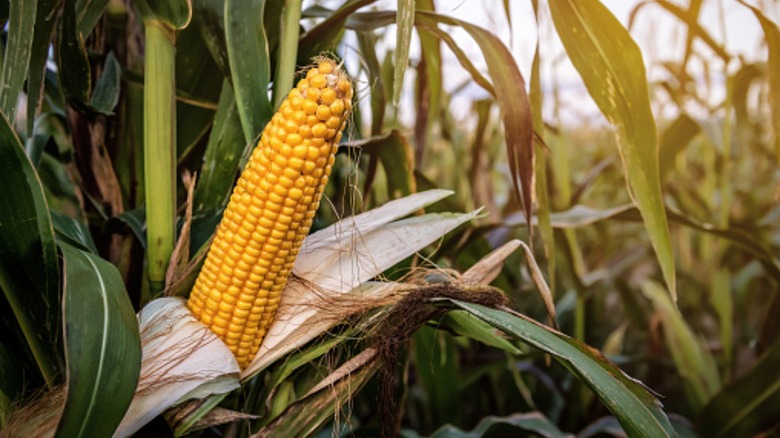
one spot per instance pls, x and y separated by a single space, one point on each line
334 284
341 234
181 359
363 255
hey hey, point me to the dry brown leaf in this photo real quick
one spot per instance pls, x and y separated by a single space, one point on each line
487 269
180 257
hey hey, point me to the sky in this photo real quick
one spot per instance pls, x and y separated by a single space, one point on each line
659 34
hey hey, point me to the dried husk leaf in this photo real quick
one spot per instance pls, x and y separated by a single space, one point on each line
214 417
344 370
304 315
487 269
541 284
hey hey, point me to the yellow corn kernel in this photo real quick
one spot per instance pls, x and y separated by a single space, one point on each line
319 130
328 96
270 212
323 112
337 107
310 107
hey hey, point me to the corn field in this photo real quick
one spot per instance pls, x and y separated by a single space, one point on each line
389 218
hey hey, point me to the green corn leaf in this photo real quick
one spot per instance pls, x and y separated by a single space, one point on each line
309 412
436 365
105 96
403 40
638 411
367 43
748 405
202 410
209 17
467 324
287 51
540 164
197 90
674 139
772 38
16 57
694 362
580 216
397 158
250 67
431 54
224 152
723 303
513 99
72 57
327 34
29 272
88 13
44 29
73 231
512 425
102 346
611 66
135 219
305 356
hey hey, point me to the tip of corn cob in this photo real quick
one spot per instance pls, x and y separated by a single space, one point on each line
271 210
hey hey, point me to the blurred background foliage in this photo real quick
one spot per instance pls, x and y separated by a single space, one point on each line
705 160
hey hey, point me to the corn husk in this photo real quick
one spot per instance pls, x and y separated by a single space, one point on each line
331 280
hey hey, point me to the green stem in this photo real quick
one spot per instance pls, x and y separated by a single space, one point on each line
725 177
159 148
288 50
579 317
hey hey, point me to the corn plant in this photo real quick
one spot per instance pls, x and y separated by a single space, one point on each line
167 266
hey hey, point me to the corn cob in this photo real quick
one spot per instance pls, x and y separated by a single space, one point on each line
271 210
